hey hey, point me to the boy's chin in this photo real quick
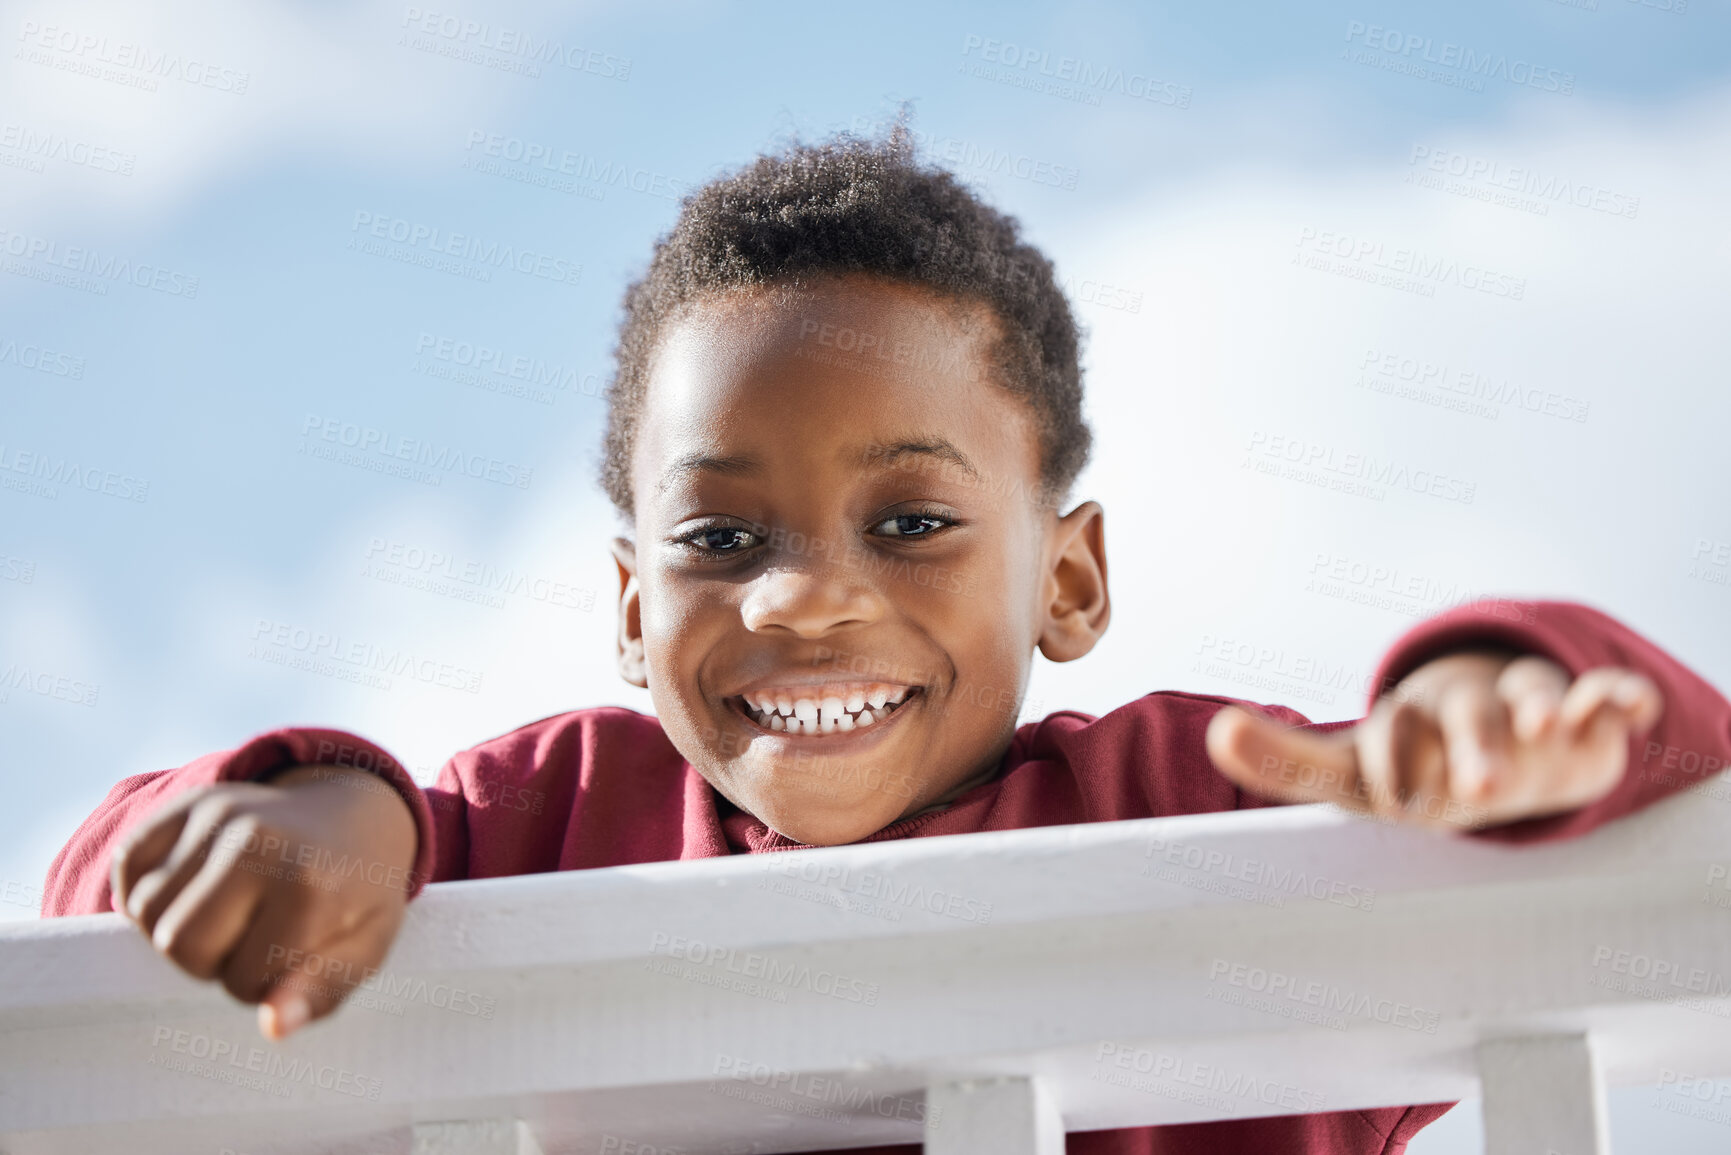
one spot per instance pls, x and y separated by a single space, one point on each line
829 818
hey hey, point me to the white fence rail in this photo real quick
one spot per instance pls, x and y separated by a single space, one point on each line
985 993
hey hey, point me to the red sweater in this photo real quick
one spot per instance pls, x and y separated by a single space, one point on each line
604 787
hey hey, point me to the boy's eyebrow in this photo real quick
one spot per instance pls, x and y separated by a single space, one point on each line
734 466
889 455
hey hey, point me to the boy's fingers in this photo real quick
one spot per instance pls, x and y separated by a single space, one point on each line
199 929
302 996
1277 761
156 889
1388 756
1421 782
1533 687
1610 691
144 848
1476 734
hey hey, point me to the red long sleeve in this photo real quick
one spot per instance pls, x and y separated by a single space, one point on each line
78 879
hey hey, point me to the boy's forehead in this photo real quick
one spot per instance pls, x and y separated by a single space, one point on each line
858 374
870 325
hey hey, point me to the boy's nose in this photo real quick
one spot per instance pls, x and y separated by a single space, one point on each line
809 601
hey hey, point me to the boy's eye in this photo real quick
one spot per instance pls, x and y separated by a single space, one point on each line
723 539
910 525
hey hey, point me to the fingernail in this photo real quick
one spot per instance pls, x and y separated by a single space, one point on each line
1475 771
285 1018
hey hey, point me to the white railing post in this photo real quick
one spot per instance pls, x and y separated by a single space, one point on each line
502 1136
1543 1095
1009 1116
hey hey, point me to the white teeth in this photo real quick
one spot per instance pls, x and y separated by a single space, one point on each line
781 712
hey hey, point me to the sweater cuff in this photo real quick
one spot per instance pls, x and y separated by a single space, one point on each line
279 750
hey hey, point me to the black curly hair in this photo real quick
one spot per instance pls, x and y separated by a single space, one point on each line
856 205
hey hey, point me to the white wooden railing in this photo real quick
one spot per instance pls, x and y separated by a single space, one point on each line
986 992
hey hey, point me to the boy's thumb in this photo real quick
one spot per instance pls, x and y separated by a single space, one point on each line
282 1013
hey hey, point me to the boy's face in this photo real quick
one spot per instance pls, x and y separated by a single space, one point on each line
843 562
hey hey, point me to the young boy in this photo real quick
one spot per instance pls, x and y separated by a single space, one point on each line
848 404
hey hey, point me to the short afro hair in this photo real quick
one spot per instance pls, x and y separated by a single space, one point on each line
855 205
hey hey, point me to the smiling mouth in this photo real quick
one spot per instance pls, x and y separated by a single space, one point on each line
816 710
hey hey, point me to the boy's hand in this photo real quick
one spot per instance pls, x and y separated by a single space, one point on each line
1469 740
231 881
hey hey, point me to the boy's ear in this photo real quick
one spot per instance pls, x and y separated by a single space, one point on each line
1077 606
633 666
